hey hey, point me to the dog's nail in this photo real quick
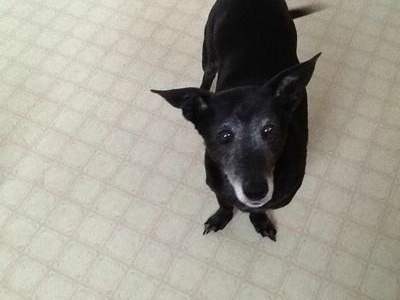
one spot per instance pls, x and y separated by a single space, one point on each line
272 235
207 229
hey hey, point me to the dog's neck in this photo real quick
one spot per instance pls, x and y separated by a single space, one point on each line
256 72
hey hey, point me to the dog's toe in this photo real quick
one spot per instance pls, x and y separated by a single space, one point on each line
208 227
263 225
268 232
217 221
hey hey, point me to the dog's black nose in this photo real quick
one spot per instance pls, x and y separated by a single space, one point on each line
256 194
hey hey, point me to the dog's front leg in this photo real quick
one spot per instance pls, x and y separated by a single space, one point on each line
222 217
263 225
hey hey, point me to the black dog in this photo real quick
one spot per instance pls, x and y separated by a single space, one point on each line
255 124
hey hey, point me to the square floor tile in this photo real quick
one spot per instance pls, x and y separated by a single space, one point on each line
75 260
76 154
136 285
124 244
55 287
7 258
38 204
119 142
218 285
300 284
186 273
356 239
333 291
386 253
380 284
233 257
277 271
46 245
130 178
85 190
249 291
18 231
171 228
366 212
112 203
313 255
13 191
346 269
95 230
186 201
58 178
154 258
166 293
324 226
105 275
66 217
165 188
142 216
102 165
25 276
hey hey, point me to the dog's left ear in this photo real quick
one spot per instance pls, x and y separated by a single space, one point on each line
192 101
291 81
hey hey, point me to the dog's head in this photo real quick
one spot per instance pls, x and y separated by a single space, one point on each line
245 128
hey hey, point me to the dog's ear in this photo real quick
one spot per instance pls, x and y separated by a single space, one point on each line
291 81
192 101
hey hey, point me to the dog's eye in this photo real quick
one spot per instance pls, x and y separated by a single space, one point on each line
266 130
225 136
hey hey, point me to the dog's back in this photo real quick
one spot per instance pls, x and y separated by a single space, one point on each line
247 42
252 40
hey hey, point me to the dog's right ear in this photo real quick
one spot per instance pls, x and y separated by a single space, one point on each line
293 79
286 85
192 101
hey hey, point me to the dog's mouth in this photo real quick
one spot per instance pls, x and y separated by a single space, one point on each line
242 198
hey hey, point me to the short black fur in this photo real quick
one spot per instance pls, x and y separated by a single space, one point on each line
255 124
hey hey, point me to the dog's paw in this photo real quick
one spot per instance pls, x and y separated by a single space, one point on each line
268 231
217 221
263 226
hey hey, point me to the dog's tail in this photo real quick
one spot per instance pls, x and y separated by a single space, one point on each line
305 10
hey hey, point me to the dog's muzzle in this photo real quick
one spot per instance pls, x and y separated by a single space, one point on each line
255 198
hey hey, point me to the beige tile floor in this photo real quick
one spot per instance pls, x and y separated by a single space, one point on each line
102 190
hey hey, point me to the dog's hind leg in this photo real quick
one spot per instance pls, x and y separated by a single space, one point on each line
263 225
209 62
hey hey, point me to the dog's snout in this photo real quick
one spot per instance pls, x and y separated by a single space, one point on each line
256 195
256 192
